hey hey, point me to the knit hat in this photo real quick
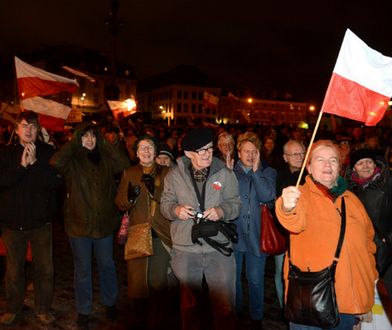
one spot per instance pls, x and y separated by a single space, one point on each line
197 138
361 154
163 149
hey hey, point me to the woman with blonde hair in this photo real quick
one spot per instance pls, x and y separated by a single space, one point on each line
256 185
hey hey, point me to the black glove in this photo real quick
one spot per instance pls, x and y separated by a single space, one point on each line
133 193
149 183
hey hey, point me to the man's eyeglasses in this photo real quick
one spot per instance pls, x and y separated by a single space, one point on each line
146 148
296 154
202 152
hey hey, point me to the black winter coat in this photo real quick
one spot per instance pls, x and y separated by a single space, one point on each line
27 198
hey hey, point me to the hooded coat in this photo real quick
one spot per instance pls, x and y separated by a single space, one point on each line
89 209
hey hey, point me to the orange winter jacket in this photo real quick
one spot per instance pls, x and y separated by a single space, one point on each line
314 226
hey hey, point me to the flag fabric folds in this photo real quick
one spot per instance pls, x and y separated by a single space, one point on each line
210 101
361 83
34 83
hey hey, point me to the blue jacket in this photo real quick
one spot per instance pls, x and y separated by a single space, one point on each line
254 188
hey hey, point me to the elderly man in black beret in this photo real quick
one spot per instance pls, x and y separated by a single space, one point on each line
200 197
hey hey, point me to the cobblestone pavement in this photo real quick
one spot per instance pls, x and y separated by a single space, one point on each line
63 302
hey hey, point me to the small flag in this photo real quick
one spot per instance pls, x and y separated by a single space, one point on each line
231 96
9 112
34 83
210 101
361 83
122 108
79 73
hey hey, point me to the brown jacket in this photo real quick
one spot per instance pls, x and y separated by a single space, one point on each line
314 226
145 209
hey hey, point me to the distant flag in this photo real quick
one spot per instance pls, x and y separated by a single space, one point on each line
9 112
361 83
34 83
210 101
122 108
79 73
231 96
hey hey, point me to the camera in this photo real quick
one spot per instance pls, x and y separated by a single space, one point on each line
198 216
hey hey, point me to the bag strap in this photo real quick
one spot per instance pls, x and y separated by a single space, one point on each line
200 197
340 241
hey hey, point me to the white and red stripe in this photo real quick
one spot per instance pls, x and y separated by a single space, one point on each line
361 83
34 82
210 100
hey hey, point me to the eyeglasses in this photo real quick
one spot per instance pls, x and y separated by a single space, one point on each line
146 148
202 152
297 154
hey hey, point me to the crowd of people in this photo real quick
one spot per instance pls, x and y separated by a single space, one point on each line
199 191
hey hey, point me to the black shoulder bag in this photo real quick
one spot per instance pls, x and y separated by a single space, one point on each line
311 298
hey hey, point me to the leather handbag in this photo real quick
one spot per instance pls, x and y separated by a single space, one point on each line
272 237
139 242
311 297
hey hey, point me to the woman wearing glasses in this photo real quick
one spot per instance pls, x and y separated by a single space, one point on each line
147 276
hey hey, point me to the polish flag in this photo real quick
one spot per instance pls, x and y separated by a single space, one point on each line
79 73
231 96
361 83
122 109
210 101
33 83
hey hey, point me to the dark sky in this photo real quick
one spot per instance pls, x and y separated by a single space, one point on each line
269 44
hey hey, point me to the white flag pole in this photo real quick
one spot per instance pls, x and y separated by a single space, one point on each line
309 147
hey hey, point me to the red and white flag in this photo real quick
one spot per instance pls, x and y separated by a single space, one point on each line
33 83
231 96
79 73
210 101
122 108
361 83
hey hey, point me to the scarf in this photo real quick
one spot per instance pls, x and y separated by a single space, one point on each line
200 175
334 192
365 182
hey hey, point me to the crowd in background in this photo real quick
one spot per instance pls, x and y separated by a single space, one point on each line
277 155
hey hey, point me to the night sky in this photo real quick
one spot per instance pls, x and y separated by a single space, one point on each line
289 46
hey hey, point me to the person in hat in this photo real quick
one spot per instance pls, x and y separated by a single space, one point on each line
27 185
164 155
201 189
369 178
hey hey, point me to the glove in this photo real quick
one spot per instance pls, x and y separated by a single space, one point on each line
133 193
149 183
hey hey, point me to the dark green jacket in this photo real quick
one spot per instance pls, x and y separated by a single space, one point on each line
89 209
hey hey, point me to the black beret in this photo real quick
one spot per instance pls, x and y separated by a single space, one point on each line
361 154
197 138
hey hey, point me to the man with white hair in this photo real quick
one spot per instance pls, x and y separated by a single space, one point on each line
199 195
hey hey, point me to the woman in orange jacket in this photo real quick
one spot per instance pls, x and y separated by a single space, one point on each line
311 214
